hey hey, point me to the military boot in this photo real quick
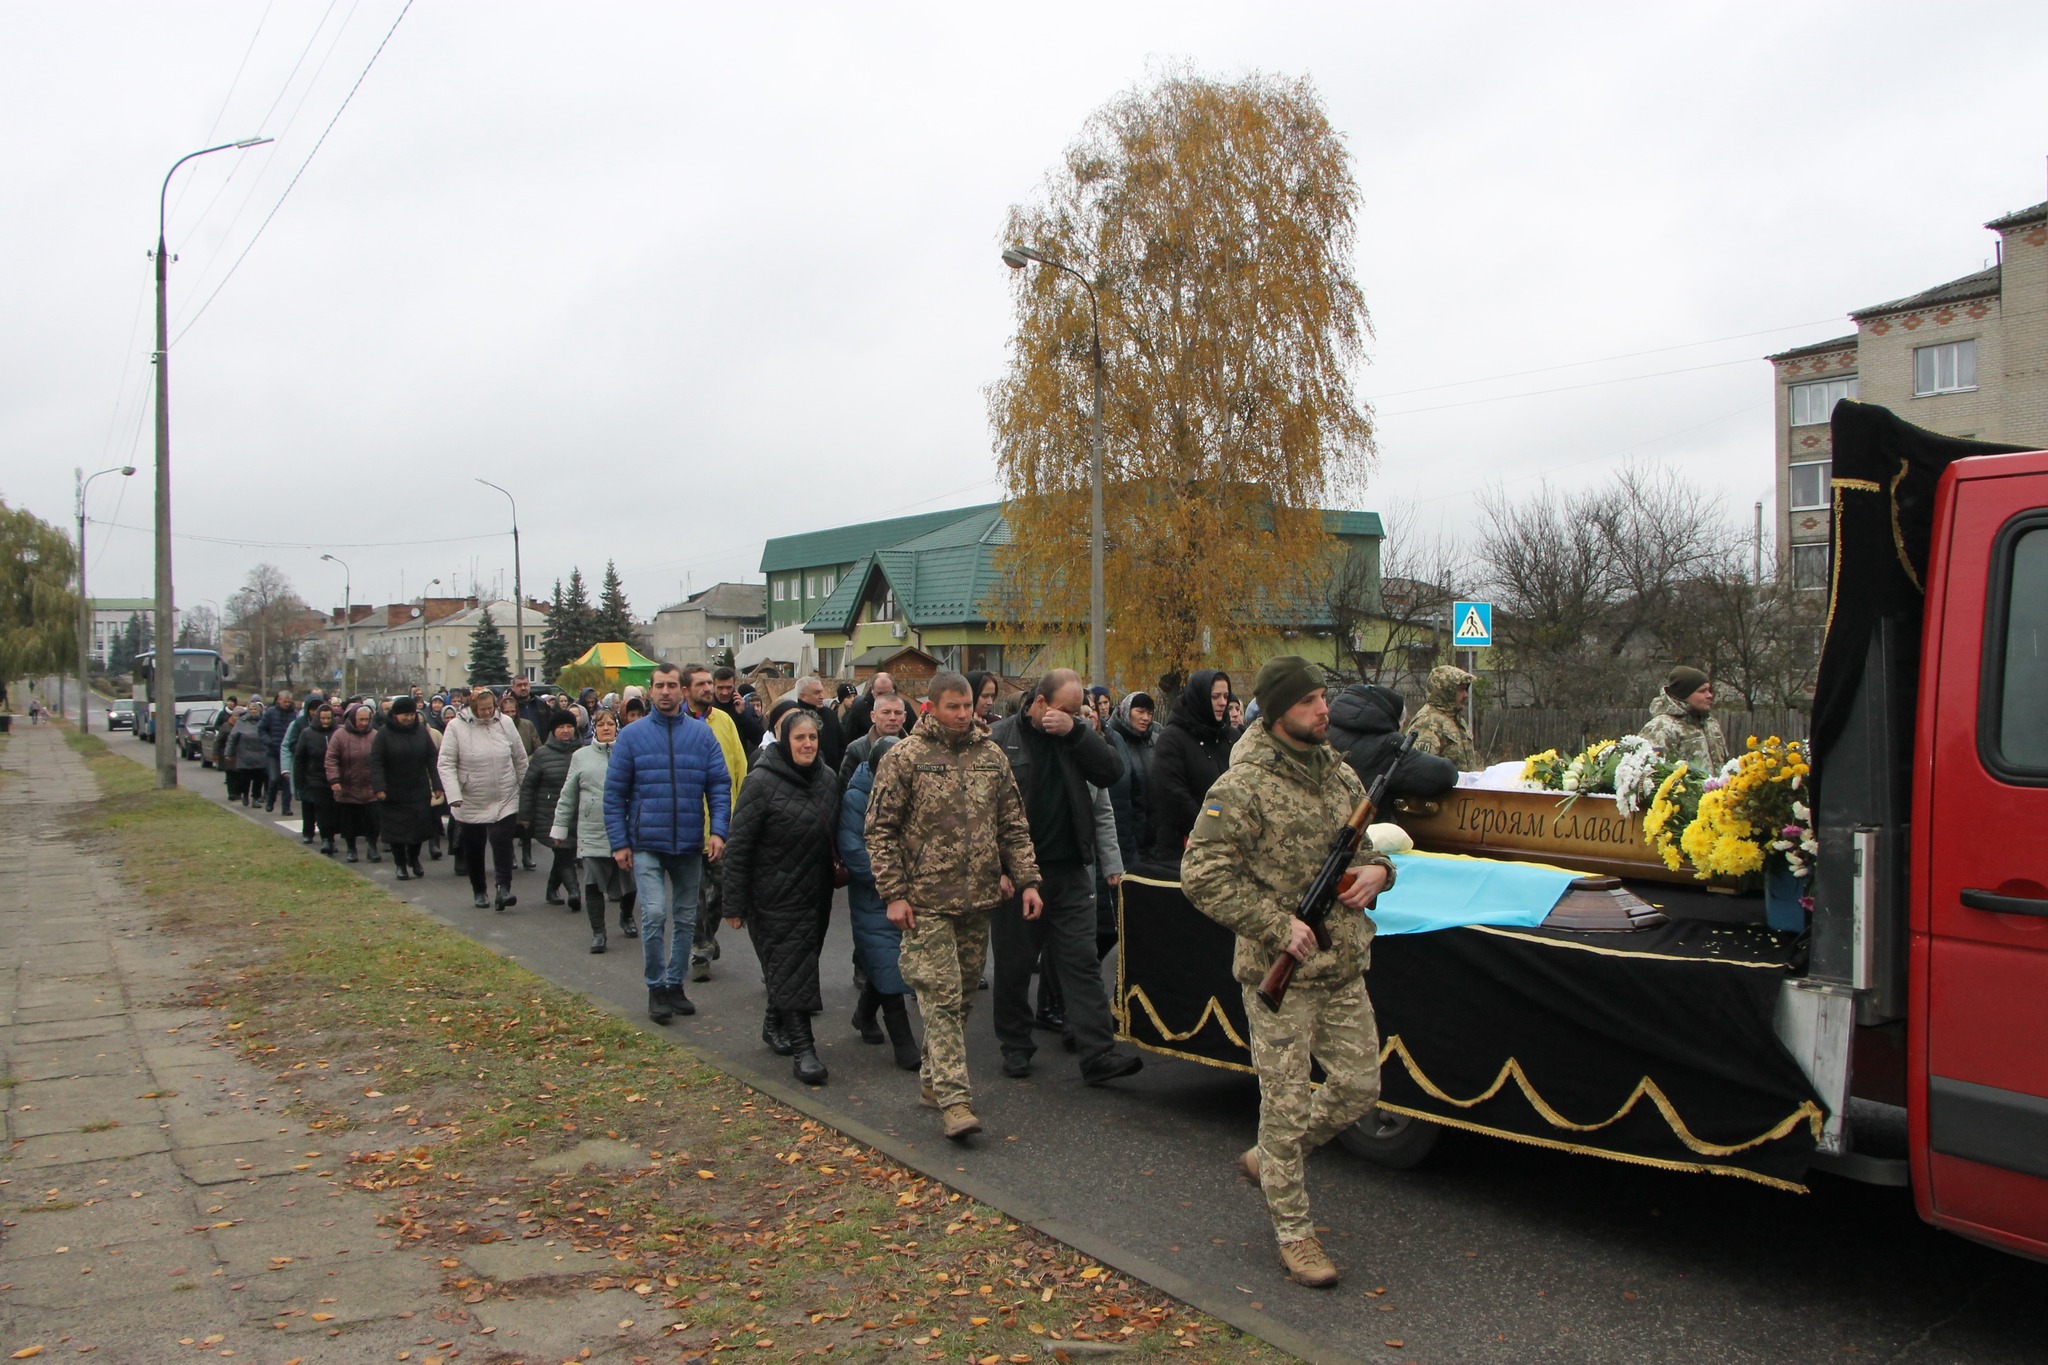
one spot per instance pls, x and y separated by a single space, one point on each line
1248 1164
961 1123
1307 1263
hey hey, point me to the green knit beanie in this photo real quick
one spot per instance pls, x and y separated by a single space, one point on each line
1283 682
1683 682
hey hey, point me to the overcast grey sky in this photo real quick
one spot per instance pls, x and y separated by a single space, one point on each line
685 277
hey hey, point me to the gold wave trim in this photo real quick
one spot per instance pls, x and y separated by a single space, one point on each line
1808 1112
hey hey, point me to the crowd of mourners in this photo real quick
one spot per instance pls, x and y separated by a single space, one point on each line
683 804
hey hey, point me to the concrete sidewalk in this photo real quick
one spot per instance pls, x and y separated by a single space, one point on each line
153 1202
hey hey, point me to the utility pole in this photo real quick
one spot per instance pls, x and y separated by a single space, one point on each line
1757 547
518 587
163 686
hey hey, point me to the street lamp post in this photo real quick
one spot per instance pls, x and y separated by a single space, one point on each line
1017 257
348 617
518 589
84 602
163 691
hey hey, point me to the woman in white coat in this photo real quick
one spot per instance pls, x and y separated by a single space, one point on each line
483 761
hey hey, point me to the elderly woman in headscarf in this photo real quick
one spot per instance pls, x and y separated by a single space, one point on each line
579 823
404 769
779 873
352 784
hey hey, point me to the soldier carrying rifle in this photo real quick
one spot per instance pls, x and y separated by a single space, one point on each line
1258 843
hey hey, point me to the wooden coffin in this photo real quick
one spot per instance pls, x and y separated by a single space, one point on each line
1588 834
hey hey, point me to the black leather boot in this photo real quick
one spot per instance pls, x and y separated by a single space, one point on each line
804 1048
896 1018
375 856
774 1031
351 851
864 1014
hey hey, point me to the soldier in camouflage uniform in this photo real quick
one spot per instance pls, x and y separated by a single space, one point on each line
1682 725
1439 726
1257 843
949 842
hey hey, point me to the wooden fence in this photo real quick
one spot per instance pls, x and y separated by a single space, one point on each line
1519 732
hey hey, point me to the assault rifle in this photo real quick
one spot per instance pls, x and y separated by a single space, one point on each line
1335 874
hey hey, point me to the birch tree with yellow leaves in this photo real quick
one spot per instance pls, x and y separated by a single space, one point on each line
1213 222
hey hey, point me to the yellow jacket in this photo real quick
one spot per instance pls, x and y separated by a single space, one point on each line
735 757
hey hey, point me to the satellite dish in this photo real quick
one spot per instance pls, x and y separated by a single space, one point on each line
415 611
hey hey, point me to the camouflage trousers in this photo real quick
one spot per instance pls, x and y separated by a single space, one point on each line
942 958
1335 1025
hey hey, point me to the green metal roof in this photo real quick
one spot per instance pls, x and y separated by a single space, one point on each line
124 604
845 544
1354 524
835 614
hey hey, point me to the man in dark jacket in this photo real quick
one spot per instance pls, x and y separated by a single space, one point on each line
1056 757
1365 727
665 772
810 694
276 721
725 695
860 716
887 721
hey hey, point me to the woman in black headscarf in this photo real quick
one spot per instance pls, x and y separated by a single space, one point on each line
1191 753
778 879
405 770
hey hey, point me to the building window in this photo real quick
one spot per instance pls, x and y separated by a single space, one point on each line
533 642
887 611
1810 566
826 584
779 586
1944 369
749 634
1814 403
1810 485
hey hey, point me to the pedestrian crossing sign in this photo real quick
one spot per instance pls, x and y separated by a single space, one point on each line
1471 625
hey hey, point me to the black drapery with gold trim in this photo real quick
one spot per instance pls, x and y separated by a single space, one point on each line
1884 476
1652 1047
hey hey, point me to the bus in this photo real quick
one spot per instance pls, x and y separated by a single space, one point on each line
198 677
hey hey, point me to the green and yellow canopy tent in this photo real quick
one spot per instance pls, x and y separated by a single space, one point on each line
622 664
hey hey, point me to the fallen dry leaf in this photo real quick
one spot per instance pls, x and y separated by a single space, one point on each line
322 1317
1396 1342
27 1353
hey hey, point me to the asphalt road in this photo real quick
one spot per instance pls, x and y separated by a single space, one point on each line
1489 1252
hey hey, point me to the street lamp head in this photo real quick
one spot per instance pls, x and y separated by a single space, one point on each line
254 141
1015 258
126 470
330 557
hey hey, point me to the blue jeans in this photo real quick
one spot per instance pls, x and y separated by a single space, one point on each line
667 883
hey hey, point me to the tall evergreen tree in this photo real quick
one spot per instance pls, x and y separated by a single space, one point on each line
614 618
554 646
579 631
487 663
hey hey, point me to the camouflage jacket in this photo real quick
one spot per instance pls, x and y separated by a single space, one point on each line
1259 840
1681 736
1443 733
945 823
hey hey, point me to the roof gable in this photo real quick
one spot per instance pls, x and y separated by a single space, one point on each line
1974 285
844 544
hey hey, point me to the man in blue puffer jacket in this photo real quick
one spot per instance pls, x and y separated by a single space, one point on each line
666 771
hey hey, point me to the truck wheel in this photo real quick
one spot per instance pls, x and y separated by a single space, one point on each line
1393 1141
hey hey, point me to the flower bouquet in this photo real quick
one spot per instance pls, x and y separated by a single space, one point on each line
1755 818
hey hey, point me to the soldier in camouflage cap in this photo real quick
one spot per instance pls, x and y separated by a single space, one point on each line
1682 725
1257 843
948 841
1439 726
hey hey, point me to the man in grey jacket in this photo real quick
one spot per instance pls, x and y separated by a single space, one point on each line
1060 764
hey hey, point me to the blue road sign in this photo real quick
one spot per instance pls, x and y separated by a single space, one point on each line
1471 625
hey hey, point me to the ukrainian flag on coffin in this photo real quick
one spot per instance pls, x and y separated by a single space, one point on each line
1452 891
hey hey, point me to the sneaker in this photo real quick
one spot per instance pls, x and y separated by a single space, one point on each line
1111 1065
1248 1164
597 942
1016 1065
700 967
1307 1263
961 1123
658 1007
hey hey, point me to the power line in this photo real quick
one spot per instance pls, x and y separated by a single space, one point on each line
221 113
1602 360
297 545
295 178
1568 388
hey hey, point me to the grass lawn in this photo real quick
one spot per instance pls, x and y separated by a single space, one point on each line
750 1226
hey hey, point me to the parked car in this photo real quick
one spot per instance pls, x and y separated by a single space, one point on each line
121 714
196 733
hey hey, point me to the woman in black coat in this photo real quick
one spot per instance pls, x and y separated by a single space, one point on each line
1190 754
309 773
778 879
405 769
